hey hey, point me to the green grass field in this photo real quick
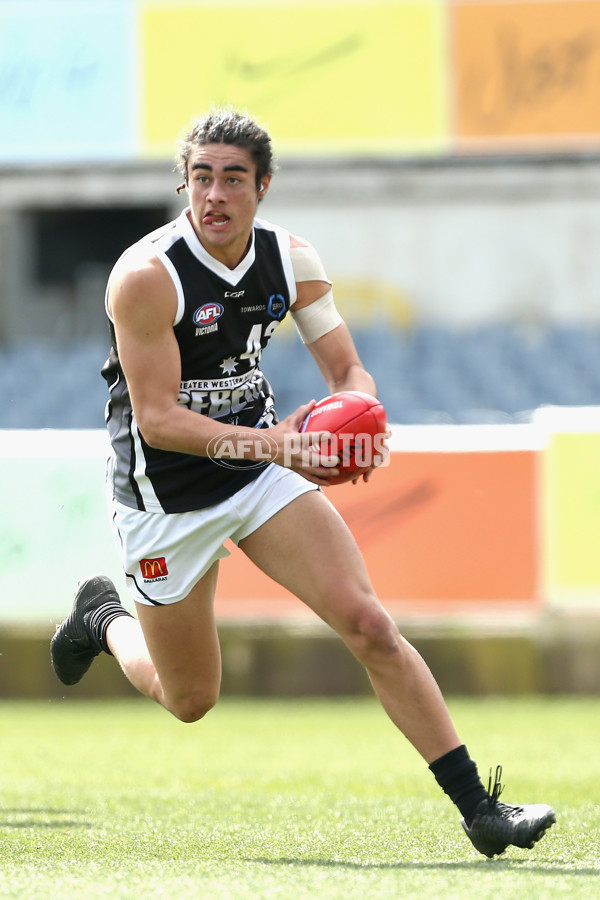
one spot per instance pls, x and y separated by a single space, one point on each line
286 800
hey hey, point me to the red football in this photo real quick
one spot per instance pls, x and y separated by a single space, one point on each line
357 422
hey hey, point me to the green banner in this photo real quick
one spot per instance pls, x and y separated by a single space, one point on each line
54 530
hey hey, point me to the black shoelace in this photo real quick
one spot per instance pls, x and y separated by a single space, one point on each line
497 789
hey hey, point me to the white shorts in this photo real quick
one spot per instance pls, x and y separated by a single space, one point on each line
165 555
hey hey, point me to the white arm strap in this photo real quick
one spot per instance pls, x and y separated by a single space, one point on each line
307 265
320 317
316 319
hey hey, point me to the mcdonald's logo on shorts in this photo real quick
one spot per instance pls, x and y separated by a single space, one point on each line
153 569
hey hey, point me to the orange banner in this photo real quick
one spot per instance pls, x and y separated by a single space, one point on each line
437 530
527 73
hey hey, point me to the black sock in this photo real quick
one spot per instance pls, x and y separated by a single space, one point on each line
98 621
456 774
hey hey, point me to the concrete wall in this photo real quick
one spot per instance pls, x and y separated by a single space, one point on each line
559 656
456 242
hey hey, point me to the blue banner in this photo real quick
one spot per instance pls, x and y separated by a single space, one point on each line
68 75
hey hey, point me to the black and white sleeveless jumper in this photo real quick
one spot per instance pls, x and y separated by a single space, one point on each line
225 318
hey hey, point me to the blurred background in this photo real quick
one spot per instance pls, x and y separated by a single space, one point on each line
443 157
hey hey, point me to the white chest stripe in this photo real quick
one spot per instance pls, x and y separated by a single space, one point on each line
151 501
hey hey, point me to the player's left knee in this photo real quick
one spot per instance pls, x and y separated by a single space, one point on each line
374 634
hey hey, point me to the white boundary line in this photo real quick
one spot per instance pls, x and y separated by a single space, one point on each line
48 443
465 438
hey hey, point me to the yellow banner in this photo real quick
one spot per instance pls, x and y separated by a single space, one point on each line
323 78
572 519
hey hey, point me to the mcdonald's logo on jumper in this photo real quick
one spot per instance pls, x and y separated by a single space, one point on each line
154 569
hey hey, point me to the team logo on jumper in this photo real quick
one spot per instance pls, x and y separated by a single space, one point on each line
276 306
205 317
154 569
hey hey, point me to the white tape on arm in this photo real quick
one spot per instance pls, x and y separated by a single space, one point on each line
307 265
316 319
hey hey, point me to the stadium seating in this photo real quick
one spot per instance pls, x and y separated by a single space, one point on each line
425 374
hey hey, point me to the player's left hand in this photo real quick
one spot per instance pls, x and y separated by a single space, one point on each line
379 459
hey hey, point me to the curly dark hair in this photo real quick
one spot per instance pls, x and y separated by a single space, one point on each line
223 126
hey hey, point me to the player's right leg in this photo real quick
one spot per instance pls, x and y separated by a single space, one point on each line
171 653
175 657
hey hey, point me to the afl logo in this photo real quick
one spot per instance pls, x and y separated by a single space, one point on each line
207 314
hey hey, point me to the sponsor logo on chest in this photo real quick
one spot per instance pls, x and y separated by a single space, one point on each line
206 317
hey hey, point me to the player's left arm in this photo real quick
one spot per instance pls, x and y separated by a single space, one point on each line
342 369
339 362
329 341
320 325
